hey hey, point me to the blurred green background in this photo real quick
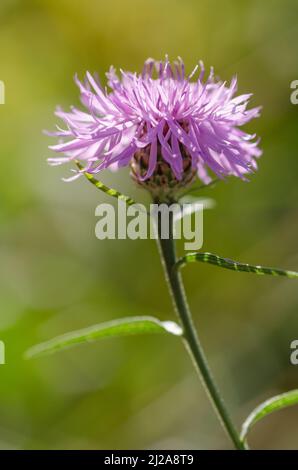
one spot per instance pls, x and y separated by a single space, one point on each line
56 276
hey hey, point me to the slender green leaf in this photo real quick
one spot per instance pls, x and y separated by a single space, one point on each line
269 406
233 265
194 204
115 328
195 188
111 192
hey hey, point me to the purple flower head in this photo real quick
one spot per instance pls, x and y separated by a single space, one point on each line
160 120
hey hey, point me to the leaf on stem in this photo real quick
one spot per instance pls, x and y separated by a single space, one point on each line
190 205
116 328
99 185
269 406
233 265
195 188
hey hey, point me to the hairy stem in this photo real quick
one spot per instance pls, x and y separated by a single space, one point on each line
191 340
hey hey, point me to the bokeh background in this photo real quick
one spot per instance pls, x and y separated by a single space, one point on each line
56 276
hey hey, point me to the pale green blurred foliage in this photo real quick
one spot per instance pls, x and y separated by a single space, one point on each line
55 276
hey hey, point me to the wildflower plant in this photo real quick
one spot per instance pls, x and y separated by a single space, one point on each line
176 133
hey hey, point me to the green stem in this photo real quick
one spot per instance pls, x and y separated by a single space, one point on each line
191 340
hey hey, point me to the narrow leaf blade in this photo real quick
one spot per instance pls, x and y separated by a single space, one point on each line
269 406
233 265
194 189
116 328
191 205
102 187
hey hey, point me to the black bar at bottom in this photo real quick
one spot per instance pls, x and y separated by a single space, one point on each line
148 458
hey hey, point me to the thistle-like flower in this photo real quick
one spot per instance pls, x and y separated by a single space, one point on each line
166 127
